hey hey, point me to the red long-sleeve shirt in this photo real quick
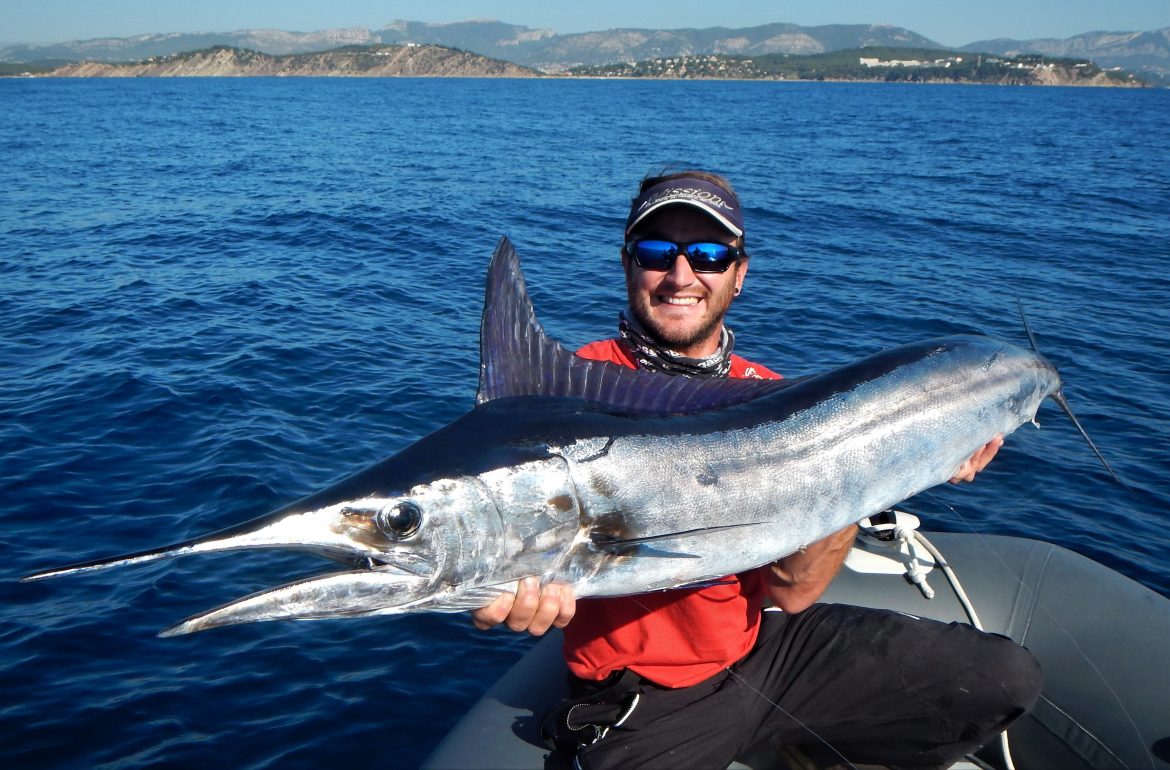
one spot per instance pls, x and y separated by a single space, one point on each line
673 638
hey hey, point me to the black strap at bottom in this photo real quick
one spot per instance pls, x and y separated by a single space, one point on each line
593 708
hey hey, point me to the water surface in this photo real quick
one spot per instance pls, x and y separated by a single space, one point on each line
220 295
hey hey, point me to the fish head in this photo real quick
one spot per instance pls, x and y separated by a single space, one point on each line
414 550
1029 378
438 531
403 551
982 370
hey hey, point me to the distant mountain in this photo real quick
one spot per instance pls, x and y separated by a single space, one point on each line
551 52
541 48
139 47
489 38
1143 53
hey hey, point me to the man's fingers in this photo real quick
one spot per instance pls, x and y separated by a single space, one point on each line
547 610
525 606
977 461
567 608
531 608
493 614
965 473
556 608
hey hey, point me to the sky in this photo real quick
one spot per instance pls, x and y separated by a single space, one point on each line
947 22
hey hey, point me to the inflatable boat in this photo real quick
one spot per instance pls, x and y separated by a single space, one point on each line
1102 640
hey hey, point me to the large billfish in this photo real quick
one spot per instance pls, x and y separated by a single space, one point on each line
619 481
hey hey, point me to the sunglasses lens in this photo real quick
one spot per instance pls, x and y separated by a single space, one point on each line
709 257
655 255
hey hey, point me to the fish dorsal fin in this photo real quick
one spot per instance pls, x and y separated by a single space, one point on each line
517 358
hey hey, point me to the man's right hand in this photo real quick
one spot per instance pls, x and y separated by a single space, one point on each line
531 608
799 579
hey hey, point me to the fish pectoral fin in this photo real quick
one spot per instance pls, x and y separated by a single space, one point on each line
622 548
642 544
723 581
467 599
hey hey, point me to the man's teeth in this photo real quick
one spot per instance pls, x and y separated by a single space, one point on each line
681 300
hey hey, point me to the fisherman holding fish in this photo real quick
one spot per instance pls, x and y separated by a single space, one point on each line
624 483
694 677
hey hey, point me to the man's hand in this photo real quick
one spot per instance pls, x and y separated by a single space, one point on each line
799 579
532 608
978 461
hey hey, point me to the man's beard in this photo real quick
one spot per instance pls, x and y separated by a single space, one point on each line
680 339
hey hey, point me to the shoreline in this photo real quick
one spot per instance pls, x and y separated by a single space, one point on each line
884 66
1133 84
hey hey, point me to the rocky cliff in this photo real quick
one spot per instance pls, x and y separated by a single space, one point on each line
1146 53
374 61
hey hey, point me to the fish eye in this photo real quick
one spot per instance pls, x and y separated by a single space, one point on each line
400 520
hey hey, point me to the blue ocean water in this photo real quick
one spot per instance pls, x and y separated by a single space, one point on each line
219 295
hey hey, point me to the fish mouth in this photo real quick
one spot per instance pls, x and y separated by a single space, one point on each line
383 574
358 593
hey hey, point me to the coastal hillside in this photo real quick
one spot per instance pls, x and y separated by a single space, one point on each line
353 61
1146 53
875 64
924 65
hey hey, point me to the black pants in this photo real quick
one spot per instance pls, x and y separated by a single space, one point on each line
842 682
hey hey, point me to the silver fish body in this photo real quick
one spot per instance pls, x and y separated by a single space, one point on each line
757 481
621 482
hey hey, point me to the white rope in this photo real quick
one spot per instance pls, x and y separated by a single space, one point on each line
914 571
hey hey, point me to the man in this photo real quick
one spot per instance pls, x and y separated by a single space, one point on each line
693 677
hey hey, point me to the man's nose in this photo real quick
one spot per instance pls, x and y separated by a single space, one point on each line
680 273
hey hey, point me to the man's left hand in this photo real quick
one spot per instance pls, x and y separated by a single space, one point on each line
978 461
532 608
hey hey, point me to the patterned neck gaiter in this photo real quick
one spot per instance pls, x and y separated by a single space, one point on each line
651 355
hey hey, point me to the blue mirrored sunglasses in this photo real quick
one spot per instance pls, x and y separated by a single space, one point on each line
703 256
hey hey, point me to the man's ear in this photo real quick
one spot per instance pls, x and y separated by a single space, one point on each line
740 274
